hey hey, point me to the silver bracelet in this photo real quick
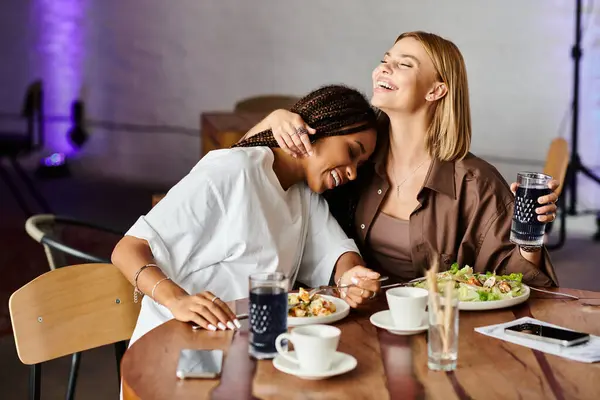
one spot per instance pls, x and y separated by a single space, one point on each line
156 285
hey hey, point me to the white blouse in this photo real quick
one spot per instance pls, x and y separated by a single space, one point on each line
230 217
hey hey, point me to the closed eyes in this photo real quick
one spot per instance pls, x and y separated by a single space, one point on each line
398 64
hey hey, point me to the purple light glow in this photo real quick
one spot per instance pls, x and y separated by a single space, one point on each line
58 57
55 160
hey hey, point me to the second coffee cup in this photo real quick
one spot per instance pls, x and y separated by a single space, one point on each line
407 306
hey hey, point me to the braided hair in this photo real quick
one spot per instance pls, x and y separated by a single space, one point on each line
331 110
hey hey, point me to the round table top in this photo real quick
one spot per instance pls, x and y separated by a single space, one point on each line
389 366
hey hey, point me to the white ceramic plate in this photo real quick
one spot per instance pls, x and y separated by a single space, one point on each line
342 309
495 304
340 364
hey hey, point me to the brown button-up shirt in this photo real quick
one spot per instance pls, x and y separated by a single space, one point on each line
464 215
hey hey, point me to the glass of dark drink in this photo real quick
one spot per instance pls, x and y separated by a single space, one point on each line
526 230
267 312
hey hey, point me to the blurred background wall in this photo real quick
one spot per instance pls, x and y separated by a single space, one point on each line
159 62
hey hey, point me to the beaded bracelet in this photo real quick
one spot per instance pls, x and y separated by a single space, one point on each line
136 289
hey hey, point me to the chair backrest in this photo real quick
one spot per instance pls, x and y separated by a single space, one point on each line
557 161
265 103
72 309
46 228
32 114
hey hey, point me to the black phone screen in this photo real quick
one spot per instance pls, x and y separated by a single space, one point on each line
547 332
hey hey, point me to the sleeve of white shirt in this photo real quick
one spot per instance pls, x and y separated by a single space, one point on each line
325 243
187 220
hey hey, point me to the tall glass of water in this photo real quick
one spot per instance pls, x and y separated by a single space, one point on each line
526 230
267 312
442 336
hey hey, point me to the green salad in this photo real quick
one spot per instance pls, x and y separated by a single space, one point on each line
479 287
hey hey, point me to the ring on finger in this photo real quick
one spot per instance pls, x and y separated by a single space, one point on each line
362 291
373 295
213 299
301 131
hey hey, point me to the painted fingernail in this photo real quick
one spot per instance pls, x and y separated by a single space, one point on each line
212 327
541 200
354 280
310 153
237 323
230 325
221 326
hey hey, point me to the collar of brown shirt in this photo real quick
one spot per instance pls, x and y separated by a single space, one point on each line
464 215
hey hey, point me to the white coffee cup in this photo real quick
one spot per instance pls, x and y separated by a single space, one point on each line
407 306
314 346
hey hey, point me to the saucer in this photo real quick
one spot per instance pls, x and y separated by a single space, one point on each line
383 320
341 364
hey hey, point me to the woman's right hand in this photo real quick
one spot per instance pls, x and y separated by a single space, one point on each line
201 310
291 132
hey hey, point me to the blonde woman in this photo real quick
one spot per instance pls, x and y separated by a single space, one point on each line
423 194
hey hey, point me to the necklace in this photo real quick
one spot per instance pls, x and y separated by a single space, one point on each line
399 185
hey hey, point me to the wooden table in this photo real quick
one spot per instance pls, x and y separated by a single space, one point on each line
389 367
222 129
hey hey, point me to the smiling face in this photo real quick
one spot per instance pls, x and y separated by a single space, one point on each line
406 79
336 159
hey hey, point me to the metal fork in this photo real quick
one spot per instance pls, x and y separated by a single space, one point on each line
554 293
320 289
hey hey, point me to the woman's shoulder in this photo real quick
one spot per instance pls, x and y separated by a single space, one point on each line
236 159
232 164
228 169
481 176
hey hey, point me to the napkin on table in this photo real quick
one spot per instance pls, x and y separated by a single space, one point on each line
588 352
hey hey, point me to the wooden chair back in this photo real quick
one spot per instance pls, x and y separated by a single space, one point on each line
72 309
265 103
557 161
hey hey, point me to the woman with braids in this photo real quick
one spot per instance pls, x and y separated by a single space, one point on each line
249 209
423 195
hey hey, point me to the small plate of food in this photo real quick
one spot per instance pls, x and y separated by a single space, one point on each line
477 292
318 309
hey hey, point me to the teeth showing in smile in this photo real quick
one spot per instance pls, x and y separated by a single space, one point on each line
385 85
336 178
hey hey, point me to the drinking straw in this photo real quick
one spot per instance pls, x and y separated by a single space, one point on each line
448 311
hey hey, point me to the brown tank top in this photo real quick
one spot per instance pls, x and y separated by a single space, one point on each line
389 240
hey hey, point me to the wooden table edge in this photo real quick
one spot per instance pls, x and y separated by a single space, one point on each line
128 392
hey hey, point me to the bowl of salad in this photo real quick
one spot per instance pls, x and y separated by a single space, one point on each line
482 291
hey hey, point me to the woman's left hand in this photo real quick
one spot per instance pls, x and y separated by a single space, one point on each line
363 285
547 212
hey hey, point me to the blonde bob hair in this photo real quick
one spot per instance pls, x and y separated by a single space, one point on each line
448 137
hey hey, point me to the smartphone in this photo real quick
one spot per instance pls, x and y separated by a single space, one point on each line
548 334
199 363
